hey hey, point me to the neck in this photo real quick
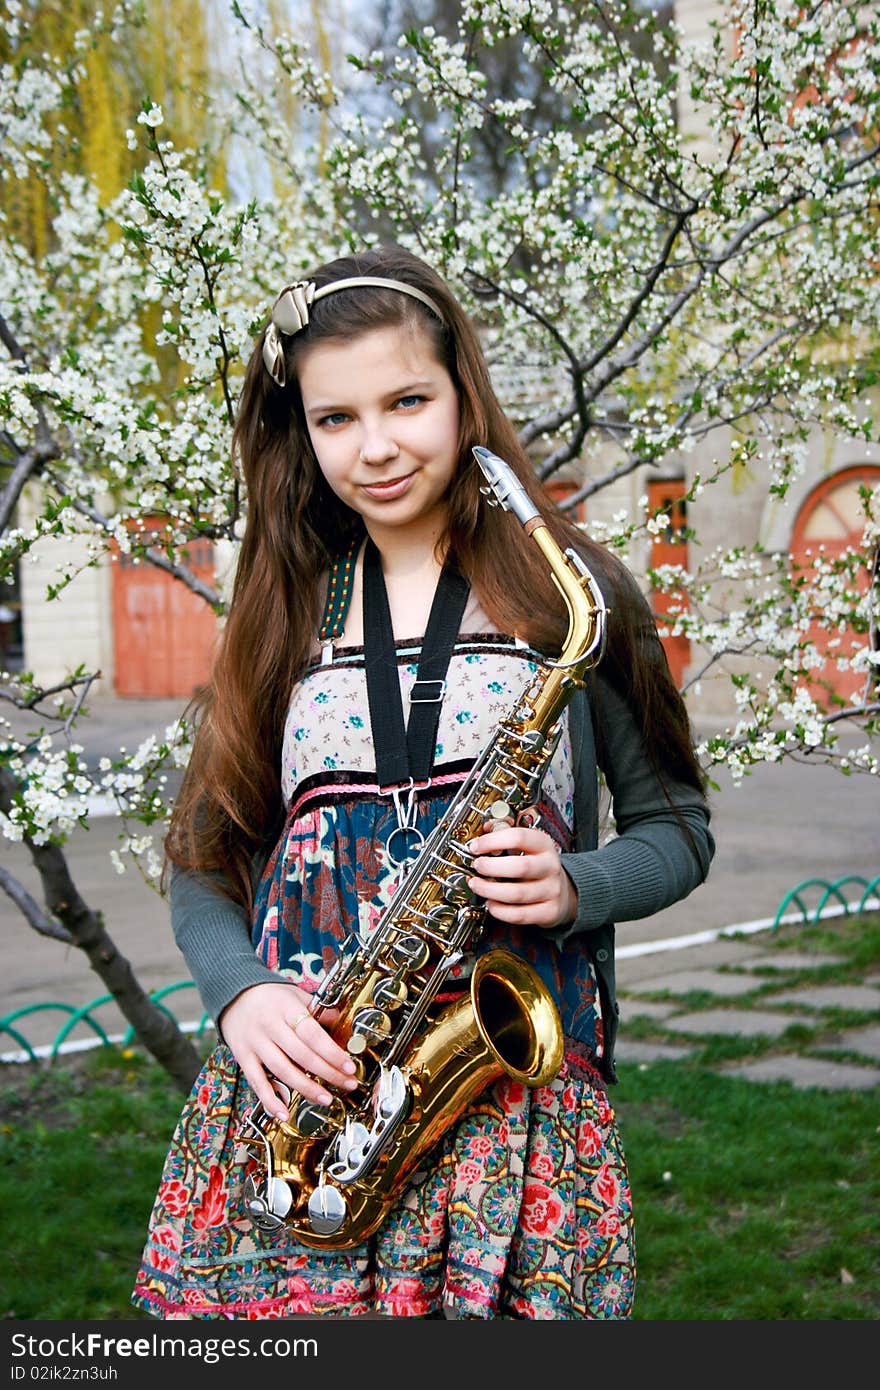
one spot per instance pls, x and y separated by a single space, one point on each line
408 550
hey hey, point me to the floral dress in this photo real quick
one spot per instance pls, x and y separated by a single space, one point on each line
523 1209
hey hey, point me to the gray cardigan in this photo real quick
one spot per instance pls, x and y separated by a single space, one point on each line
660 852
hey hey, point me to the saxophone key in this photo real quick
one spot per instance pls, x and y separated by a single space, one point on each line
460 848
352 1145
455 883
279 1197
390 993
328 1210
313 1120
411 952
391 1097
440 918
454 869
369 1026
505 788
533 741
268 1205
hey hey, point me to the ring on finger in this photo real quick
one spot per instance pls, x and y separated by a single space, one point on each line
302 1018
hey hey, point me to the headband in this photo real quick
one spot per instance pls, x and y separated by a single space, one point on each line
290 313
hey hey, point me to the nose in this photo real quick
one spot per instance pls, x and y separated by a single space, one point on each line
377 444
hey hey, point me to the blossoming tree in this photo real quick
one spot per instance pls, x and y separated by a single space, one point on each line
676 257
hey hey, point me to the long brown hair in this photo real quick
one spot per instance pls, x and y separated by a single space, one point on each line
229 804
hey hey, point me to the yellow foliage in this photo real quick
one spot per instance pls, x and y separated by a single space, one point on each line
101 152
110 80
171 56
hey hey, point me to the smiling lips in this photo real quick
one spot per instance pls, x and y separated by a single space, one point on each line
395 487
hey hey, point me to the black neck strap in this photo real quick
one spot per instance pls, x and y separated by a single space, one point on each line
405 751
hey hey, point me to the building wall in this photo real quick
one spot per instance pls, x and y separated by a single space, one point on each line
73 629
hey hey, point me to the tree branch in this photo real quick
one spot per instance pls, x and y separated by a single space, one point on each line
30 464
31 910
710 263
45 447
155 557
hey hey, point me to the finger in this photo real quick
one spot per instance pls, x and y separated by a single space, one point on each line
501 841
511 840
520 866
524 914
324 1057
296 1075
262 1087
516 891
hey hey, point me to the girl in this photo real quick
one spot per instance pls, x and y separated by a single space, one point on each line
358 414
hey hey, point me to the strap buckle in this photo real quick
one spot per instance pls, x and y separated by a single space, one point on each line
434 699
393 789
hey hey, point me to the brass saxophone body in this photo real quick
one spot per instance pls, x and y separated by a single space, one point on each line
331 1174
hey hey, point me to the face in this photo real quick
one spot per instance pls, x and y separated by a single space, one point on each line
382 415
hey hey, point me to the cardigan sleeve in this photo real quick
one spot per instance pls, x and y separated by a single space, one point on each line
213 933
662 847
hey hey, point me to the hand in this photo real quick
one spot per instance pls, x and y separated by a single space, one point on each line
517 869
263 1030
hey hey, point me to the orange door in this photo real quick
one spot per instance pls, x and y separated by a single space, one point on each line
832 520
163 633
559 489
670 548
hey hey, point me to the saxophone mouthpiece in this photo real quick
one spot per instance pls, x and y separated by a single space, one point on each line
505 485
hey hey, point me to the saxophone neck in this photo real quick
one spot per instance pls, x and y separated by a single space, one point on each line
587 613
584 601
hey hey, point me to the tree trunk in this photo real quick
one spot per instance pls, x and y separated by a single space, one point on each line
159 1033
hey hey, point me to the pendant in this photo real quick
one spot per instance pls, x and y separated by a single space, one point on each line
405 842
404 845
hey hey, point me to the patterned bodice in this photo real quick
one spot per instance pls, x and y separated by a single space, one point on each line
331 873
328 726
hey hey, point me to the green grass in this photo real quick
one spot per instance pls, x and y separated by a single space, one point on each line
82 1148
757 1201
752 1201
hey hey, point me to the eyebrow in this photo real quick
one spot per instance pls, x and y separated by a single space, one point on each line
326 408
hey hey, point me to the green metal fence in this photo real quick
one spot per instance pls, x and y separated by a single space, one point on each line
867 891
85 1015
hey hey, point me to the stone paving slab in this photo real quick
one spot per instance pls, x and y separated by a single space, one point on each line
683 981
744 1023
633 1050
807 1072
631 969
865 1041
831 997
646 1008
787 960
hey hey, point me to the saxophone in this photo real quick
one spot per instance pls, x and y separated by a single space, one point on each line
331 1174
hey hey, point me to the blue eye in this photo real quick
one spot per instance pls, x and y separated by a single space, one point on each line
408 402
336 418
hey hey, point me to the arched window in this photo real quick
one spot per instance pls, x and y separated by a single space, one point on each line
832 520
